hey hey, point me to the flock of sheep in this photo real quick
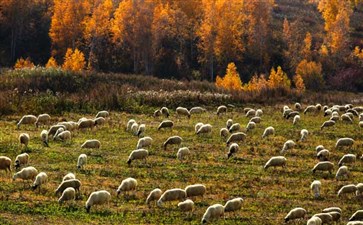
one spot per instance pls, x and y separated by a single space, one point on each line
233 134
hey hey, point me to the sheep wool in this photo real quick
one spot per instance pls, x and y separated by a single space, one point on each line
296 120
21 160
93 143
97 198
82 161
358 215
69 176
233 205
173 140
347 159
304 134
323 155
233 148
144 142
332 209
287 146
239 136
166 124
138 154
221 110
348 142
296 213
197 110
24 139
103 114
195 190
268 131
326 218
346 189
5 163
27 119
235 127
314 221
224 132
205 129
129 124
128 184
181 111
44 137
186 206
213 212
197 126
182 153
324 166
275 161
359 189
75 183
42 119
27 173
328 123
172 195
229 123
69 194
141 130
40 179
342 173
315 187
154 195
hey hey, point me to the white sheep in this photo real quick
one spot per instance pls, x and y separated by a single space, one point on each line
74 183
359 189
268 131
323 166
358 215
69 194
69 176
181 111
250 126
335 216
251 113
141 130
205 129
64 135
128 184
27 173
195 190
153 196
144 142
360 124
315 188
53 129
344 142
27 119
229 123
40 179
70 125
298 106
287 146
342 173
304 134
134 128
314 221
332 209
292 114
239 136
5 163
82 161
328 123
323 155
275 161
182 153
224 133
103 114
172 195
197 126
196 110
129 124
60 130
294 214
86 123
24 139
213 212
259 112
233 205
173 140
92 143
99 121
346 189
21 160
235 127
138 154
221 109
42 119
296 119
44 137
157 113
233 148
97 198
255 119
166 124
347 159
186 205
165 111
326 218
310 108
355 223
319 148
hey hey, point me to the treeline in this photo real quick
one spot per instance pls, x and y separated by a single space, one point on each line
321 41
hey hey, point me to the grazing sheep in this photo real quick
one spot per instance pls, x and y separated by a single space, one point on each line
315 188
250 126
144 142
355 223
129 124
40 179
275 161
157 113
346 118
186 206
224 132
335 117
319 148
97 198
346 189
74 183
138 154
287 146
182 153
27 119
64 135
221 109
326 218
259 112
360 124
233 148
181 111
332 209
86 123
304 134
328 123
235 127
255 119
69 176
166 124
195 190
233 205
314 221
134 128
323 166
196 110
215 211
99 121
27 173
335 216
293 114
128 184
165 111
245 110
251 113
344 142
70 125
347 159
69 194
359 189
53 129
229 123
21 160
172 195
103 114
197 126
294 214
93 143
60 130
205 129
82 161
5 163
239 136
298 106
327 112
286 112
42 119
153 196
44 137
342 173
141 130
323 155
358 215
174 140
310 108
268 131
296 120
24 139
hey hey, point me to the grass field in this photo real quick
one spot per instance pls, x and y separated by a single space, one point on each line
268 195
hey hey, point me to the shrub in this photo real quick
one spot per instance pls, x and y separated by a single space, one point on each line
74 60
311 73
231 81
278 79
52 63
23 63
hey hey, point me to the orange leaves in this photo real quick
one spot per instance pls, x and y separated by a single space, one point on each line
278 79
52 63
311 73
74 60
357 52
257 84
23 63
231 81
299 84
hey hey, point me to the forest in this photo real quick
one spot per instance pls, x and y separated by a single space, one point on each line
313 44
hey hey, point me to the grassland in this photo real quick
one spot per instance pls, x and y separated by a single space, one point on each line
268 195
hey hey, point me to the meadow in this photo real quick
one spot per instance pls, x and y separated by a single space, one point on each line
268 194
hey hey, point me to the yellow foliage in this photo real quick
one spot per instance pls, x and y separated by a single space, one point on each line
299 83
52 63
306 51
357 52
23 63
324 51
311 73
257 83
74 60
278 79
231 81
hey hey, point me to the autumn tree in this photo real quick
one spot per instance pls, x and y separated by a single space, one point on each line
311 73
74 60
52 63
278 79
299 84
306 48
23 63
232 80
257 83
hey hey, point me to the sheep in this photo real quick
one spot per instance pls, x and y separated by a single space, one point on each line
250 126
287 146
186 206
40 179
358 215
323 155
181 111
229 123
173 140
165 111
233 205
293 114
245 110
64 135
87 123
103 114
166 124
327 112
239 136
328 123
129 124
332 209
24 139
286 112
138 154
128 184
315 188
335 216
297 106
27 119
196 110
296 213
134 128
99 121
172 195
5 163
153 196
355 223
93 143
326 218
74 183
68 194
21 159
182 153
335 117
53 129
197 126
195 190
342 173
314 221
323 166
347 159
27 173
310 108
358 109
259 112
360 124
141 130
233 148
251 113
60 130
275 161
69 176
319 148
44 137
344 142
235 127
221 109
346 118
70 125
157 113
144 142
224 133
268 131
205 129
213 212
318 107
359 189
304 134
255 119
43 119
97 198
82 161
346 189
